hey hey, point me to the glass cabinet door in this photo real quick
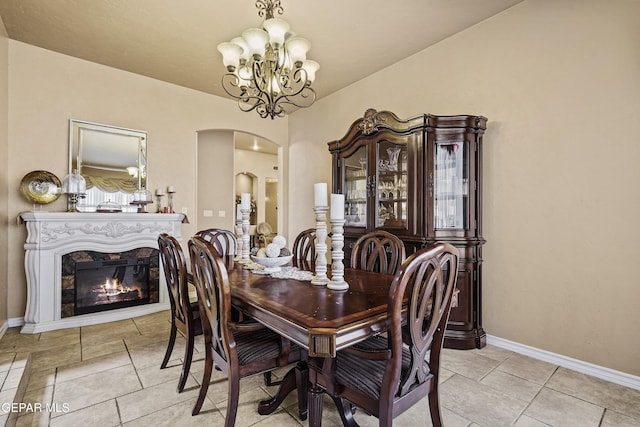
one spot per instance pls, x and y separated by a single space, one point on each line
451 186
355 187
391 185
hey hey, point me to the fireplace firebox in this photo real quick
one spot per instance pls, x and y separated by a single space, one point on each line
96 281
110 284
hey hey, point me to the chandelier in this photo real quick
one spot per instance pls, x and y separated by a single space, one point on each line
267 68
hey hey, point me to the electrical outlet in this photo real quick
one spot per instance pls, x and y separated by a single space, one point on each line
207 213
222 214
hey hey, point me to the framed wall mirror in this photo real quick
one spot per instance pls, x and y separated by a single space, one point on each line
113 162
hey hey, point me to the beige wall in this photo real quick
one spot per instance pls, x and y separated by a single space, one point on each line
559 82
4 113
215 189
46 89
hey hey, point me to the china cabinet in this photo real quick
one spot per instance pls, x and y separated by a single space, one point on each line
419 179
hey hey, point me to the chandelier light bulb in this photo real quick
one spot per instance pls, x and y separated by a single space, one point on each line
257 40
277 29
310 67
245 55
230 55
297 48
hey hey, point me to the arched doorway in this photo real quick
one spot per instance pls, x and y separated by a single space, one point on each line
230 163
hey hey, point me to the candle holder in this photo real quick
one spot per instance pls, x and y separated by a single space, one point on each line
239 236
321 278
159 196
245 233
170 196
337 282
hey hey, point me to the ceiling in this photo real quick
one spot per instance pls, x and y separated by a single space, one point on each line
175 40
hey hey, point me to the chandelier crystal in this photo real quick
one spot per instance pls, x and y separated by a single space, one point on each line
267 68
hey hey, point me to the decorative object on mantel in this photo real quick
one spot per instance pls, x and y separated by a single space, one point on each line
142 198
109 207
75 187
159 195
170 192
337 282
320 208
40 187
268 69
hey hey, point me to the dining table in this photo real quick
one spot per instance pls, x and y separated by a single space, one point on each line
321 320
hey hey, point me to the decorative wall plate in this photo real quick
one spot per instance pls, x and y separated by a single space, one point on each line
40 187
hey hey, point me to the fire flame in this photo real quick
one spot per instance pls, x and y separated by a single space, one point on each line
114 287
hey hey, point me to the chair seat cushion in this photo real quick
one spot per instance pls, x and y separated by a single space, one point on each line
260 345
363 374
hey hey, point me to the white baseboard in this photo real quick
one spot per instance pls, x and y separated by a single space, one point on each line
16 321
597 371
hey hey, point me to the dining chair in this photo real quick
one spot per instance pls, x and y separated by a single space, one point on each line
240 350
378 251
225 241
185 315
304 248
394 372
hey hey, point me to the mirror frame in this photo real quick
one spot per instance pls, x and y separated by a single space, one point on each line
108 132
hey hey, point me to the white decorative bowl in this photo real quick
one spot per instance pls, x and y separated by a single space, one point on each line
272 264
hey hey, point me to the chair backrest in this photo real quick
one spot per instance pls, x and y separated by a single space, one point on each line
224 241
429 279
175 273
214 299
378 251
304 247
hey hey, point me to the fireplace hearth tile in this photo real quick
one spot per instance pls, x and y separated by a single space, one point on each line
70 335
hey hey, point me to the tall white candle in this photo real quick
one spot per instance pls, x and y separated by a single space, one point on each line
337 206
159 192
245 200
320 194
238 212
170 189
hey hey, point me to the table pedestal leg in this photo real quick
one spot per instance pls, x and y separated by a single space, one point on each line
296 378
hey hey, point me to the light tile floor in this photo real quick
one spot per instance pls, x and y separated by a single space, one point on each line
108 375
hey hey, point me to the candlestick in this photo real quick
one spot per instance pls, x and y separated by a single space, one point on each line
337 282
245 234
337 207
320 194
159 196
321 278
239 234
245 200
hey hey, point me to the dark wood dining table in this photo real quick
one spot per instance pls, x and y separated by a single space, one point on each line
321 320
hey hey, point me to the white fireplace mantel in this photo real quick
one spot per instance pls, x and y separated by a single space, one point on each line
50 235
